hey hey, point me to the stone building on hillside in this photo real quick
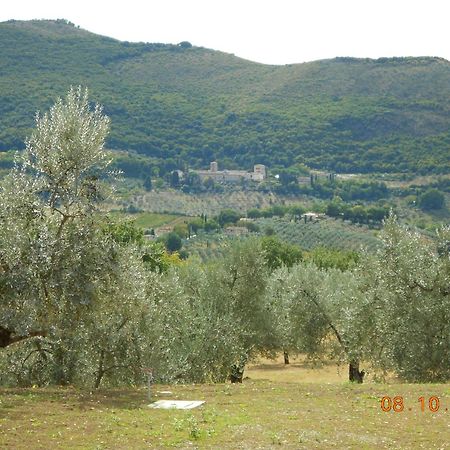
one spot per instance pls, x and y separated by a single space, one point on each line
258 174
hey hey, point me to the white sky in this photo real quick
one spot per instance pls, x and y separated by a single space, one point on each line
267 31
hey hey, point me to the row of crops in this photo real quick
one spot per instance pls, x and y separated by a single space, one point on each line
325 232
176 202
322 233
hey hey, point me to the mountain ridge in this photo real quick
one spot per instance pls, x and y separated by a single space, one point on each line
174 101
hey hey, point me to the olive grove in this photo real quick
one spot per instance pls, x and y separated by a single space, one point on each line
85 300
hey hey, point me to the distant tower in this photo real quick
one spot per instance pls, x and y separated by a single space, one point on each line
261 169
213 167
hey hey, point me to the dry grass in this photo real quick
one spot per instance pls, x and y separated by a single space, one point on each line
276 407
298 371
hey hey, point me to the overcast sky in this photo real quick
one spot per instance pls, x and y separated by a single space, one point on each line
267 31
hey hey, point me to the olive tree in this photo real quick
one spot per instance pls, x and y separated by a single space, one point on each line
83 300
80 302
320 312
408 281
51 256
71 295
233 297
190 339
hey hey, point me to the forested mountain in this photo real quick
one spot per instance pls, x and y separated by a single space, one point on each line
194 105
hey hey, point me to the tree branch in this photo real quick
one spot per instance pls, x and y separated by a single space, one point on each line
7 336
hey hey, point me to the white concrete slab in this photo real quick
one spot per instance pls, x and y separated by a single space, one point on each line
176 404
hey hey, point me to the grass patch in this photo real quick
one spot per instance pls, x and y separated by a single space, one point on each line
276 406
153 220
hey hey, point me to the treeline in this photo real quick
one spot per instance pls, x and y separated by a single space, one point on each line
198 323
336 209
357 213
330 186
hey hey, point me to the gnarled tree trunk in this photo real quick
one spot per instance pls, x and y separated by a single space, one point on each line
354 374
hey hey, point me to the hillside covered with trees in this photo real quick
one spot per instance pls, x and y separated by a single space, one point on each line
178 104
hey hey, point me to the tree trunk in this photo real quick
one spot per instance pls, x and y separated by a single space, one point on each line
354 374
237 370
60 376
286 357
100 371
237 373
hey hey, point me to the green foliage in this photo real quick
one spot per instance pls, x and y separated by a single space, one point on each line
132 165
357 213
7 159
174 179
68 296
172 242
193 183
182 230
148 185
278 253
346 116
327 258
125 232
211 225
407 280
251 226
203 223
196 224
228 321
153 254
86 300
347 190
276 211
242 279
77 295
228 217
319 312
431 199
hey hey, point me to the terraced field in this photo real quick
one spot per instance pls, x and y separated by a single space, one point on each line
326 232
167 205
146 220
176 202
